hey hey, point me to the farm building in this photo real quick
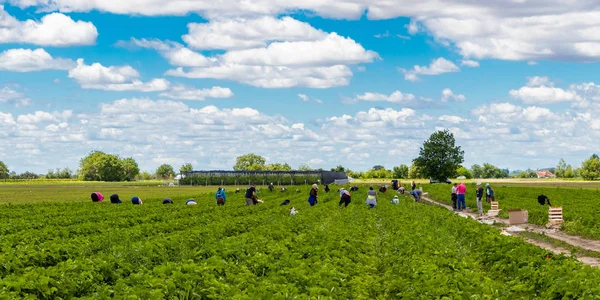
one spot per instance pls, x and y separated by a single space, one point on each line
545 174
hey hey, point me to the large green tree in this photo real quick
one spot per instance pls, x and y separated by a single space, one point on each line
590 168
100 166
249 162
401 172
440 157
164 170
4 172
131 168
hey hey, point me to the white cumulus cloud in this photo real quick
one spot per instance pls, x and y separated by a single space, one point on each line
54 29
185 93
447 94
27 60
114 78
438 66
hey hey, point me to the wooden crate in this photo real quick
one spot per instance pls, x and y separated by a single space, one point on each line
555 215
494 205
494 210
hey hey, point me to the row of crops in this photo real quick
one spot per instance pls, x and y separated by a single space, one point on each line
244 180
154 251
581 207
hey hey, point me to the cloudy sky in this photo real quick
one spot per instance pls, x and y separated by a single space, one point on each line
327 82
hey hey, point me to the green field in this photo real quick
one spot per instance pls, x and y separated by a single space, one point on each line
581 206
70 247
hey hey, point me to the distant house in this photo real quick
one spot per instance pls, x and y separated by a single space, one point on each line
545 174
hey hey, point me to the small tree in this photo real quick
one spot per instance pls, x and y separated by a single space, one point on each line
186 168
131 168
304 167
249 162
440 157
462 171
378 167
561 168
590 168
338 169
415 172
4 172
278 167
401 172
164 171
477 171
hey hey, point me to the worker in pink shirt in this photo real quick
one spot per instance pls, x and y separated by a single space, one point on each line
461 190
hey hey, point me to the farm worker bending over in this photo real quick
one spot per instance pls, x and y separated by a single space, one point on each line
489 193
114 199
395 200
271 187
327 188
454 196
461 190
401 190
251 195
371 197
167 201
220 196
479 194
312 198
344 197
413 186
191 202
136 200
97 197
417 194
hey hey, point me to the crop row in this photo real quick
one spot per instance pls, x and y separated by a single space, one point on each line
155 251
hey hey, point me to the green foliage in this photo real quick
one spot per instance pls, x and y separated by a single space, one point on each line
440 157
570 173
249 162
65 173
4 172
154 251
100 166
528 174
378 167
401 172
415 172
131 168
186 168
462 171
304 167
590 168
278 167
338 169
477 171
561 168
379 173
25 175
164 171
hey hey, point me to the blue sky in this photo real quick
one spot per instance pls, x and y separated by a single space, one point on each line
356 83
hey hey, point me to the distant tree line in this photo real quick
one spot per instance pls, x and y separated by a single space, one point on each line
439 158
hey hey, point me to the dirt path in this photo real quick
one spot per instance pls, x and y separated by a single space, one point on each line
586 244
